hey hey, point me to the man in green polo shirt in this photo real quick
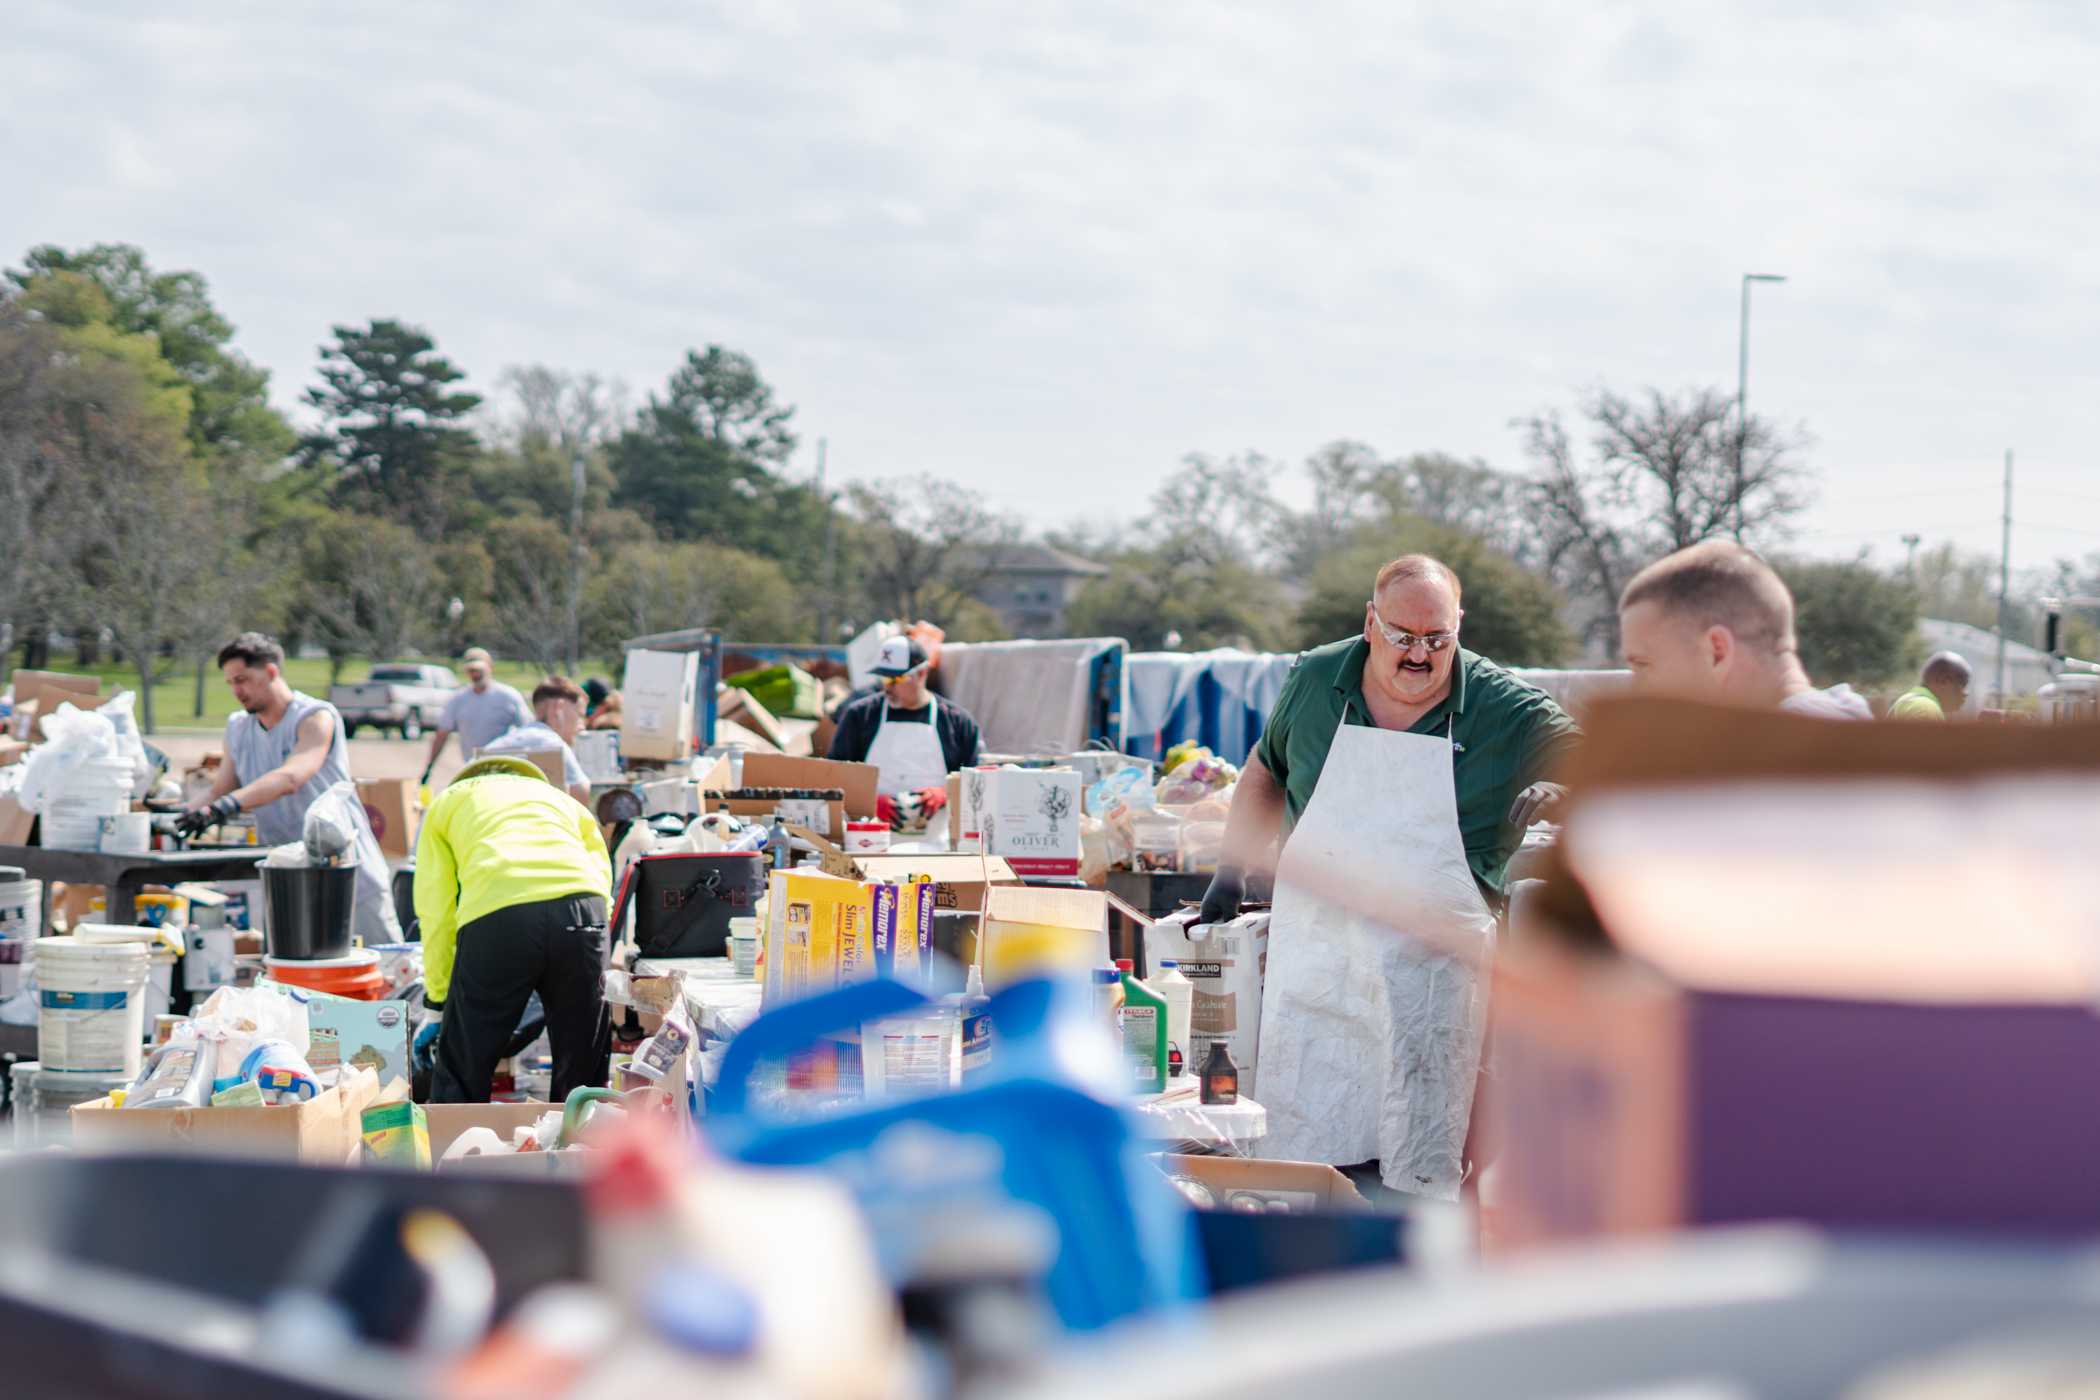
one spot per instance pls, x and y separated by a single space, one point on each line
1406 672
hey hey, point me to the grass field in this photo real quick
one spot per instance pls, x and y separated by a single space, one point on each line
175 701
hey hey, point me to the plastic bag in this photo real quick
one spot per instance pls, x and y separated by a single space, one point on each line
332 823
118 711
290 856
72 738
1179 792
239 1018
1201 845
1131 785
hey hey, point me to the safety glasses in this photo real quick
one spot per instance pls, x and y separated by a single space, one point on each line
1432 642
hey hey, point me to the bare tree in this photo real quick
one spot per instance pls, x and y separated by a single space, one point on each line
1661 473
925 543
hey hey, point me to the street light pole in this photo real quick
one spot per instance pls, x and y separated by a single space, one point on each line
1742 391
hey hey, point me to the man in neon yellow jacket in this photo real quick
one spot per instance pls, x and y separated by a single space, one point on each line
1941 692
511 884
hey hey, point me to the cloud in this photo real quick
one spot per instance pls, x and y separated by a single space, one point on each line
1046 249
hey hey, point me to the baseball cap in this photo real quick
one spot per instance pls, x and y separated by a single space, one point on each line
899 656
475 654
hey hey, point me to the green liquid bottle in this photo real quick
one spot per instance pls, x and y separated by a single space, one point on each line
1142 1019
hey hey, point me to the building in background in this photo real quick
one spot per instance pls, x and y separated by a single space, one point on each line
1031 585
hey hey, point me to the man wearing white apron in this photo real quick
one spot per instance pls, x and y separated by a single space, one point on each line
916 739
1400 771
283 750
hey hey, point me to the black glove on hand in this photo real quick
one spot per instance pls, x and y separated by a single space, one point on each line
200 819
1221 902
1538 803
424 781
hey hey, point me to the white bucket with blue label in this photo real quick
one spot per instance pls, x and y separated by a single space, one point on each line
21 914
91 1006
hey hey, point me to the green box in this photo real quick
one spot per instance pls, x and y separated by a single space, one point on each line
397 1134
787 691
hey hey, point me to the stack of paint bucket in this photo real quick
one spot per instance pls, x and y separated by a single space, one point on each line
306 914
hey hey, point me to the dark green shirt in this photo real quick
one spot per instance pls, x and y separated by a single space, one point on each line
1505 736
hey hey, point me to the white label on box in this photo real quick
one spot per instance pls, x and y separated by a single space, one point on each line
1032 820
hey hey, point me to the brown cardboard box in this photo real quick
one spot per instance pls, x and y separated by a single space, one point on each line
857 780
448 1120
326 1129
960 880
834 816
38 693
11 751
15 822
657 705
390 807
1723 1008
1042 931
1247 1183
741 707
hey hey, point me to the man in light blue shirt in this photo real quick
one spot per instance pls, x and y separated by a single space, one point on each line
480 713
557 707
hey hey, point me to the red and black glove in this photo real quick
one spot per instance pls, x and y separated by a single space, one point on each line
886 810
932 799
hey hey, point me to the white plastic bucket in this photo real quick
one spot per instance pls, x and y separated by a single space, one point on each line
21 918
94 789
91 1006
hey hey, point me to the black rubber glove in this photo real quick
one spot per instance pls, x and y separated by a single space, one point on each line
200 819
1221 902
1538 803
424 781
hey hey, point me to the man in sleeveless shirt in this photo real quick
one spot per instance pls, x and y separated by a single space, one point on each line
283 750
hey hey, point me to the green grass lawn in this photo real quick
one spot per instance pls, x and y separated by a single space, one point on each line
175 701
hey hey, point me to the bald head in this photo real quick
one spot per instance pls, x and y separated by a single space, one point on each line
1946 675
1710 622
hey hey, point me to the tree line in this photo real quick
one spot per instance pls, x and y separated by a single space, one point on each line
151 494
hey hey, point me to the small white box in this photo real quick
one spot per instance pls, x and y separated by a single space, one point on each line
1030 819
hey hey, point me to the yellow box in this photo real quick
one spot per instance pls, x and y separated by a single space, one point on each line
397 1135
814 923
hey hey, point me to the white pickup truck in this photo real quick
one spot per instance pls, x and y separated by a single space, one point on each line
407 696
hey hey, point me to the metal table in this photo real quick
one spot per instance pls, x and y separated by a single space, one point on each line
126 875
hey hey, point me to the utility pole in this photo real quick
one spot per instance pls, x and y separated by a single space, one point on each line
829 584
1742 392
2004 574
1910 560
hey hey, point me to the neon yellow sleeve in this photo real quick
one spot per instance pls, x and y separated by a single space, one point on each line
437 899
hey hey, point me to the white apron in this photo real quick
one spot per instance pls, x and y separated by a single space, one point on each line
909 755
1372 1022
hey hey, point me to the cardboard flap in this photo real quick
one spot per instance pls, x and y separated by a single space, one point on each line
1840 860
773 770
1056 908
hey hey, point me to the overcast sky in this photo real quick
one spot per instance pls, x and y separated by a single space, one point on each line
1049 248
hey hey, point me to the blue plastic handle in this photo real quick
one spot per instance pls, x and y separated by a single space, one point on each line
798 1025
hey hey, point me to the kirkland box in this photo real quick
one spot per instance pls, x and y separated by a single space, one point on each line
1834 973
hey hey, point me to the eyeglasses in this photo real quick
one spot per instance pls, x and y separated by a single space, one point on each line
1432 642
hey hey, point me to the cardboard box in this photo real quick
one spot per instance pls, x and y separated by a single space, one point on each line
448 1120
966 792
1786 978
856 780
808 913
959 879
1227 969
390 806
657 693
397 1134
16 822
1252 1184
1030 932
1031 820
39 693
371 1035
11 751
327 1128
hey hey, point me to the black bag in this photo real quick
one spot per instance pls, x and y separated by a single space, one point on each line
683 901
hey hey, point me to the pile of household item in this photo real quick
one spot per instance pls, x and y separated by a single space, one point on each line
82 779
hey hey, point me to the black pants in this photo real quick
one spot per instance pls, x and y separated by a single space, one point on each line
555 947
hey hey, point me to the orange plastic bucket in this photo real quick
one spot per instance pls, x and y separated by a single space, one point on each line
356 976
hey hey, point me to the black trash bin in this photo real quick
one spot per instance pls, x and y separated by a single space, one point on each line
306 910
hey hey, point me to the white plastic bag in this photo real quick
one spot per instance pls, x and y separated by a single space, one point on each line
332 823
72 739
118 711
290 856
